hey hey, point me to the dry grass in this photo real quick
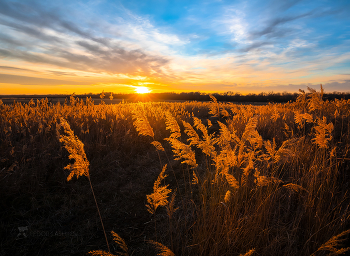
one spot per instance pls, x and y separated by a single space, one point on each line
273 178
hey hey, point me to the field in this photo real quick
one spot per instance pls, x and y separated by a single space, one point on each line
175 178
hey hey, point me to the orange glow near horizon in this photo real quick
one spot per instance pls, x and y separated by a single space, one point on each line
66 81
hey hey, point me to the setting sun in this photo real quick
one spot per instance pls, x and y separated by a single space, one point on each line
142 89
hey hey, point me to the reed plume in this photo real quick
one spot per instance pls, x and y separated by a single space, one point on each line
251 134
157 145
170 208
193 136
332 244
76 151
315 101
159 197
162 249
231 180
261 180
227 197
141 123
172 125
143 127
100 253
226 136
300 119
225 159
295 187
183 152
284 150
275 114
207 145
323 132
301 99
246 175
224 112
271 149
72 100
120 241
248 253
195 178
214 107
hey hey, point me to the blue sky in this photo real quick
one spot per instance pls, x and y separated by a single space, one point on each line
243 46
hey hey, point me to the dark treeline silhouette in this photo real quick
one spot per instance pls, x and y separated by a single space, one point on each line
232 97
273 97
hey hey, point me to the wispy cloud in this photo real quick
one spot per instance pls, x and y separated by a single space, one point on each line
18 69
27 80
274 28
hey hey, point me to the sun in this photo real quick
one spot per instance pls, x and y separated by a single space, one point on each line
141 89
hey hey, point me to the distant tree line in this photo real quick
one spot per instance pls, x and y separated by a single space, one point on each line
227 96
273 97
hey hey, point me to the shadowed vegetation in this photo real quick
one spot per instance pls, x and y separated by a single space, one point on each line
191 178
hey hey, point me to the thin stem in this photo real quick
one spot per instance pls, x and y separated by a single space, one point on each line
155 227
171 166
104 231
160 161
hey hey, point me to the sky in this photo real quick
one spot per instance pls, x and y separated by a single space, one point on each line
90 46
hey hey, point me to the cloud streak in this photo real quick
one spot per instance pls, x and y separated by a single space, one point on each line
273 29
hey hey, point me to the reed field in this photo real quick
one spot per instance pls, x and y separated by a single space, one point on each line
189 178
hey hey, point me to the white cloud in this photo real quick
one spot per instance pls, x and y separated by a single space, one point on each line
233 22
138 32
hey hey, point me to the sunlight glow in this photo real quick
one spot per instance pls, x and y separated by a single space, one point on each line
142 89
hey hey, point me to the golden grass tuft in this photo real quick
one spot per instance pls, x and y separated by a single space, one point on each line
231 180
120 241
332 244
207 145
214 107
195 178
193 136
141 123
162 249
157 145
183 152
159 197
100 253
261 180
170 208
172 125
227 197
323 132
295 187
76 151
251 134
248 253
